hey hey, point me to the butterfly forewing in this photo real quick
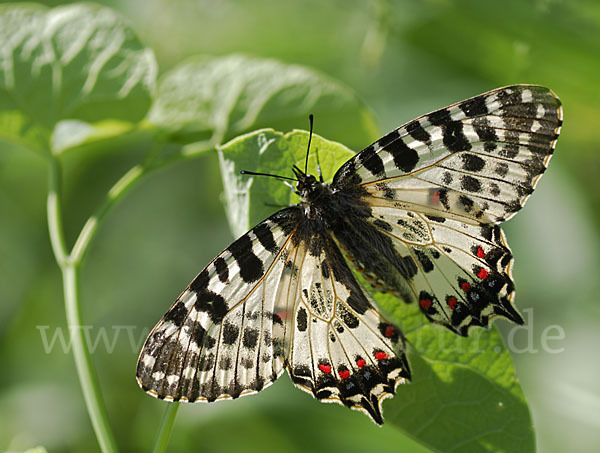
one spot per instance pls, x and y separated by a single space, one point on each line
477 161
218 339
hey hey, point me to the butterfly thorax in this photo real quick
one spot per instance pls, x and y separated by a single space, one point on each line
315 196
325 204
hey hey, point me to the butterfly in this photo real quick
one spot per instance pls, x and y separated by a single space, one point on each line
416 213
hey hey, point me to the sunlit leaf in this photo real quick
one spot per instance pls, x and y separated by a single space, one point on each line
219 98
80 62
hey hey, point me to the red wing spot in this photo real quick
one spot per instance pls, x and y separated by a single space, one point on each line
380 355
390 331
425 303
480 253
465 286
325 368
344 374
482 273
361 363
452 302
284 315
435 198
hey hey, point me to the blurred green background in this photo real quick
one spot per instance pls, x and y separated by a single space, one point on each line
403 58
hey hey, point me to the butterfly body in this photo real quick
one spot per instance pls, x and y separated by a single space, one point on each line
416 213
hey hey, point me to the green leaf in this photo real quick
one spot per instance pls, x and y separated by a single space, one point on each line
73 134
250 199
219 98
464 395
79 62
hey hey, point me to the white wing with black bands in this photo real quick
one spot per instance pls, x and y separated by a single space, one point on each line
218 340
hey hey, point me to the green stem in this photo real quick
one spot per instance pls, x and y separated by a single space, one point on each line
116 192
70 274
166 425
91 225
70 264
53 207
83 361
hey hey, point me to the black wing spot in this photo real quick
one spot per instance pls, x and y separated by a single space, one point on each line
443 197
474 107
225 363
484 131
466 202
250 337
447 178
277 319
405 158
471 162
230 333
200 283
383 225
177 314
436 219
371 161
470 184
222 269
453 136
251 267
301 319
501 169
426 263
198 333
348 318
213 304
265 237
415 129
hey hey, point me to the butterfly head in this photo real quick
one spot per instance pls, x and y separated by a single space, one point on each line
314 193
307 184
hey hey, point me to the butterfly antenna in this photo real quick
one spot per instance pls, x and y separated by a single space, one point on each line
253 173
310 120
319 165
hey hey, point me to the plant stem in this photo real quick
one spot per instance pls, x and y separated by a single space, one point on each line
91 225
70 273
116 192
166 425
53 207
83 361
70 264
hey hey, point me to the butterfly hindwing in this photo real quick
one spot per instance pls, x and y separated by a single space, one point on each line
342 350
462 272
